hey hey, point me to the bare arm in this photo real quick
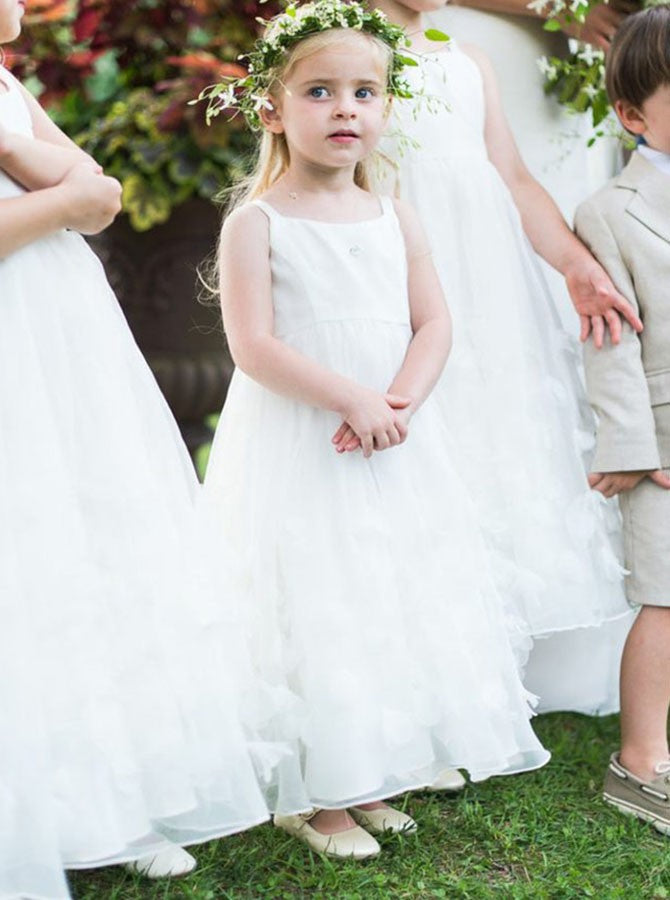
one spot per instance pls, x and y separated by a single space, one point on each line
246 301
431 326
84 202
37 164
601 22
593 294
431 323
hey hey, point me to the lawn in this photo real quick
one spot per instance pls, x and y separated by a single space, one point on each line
542 835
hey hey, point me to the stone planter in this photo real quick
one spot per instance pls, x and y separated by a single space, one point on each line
154 276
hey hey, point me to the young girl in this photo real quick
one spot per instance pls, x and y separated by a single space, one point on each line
116 710
512 398
364 575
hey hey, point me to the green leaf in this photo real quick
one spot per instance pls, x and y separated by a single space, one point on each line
433 34
406 60
104 83
146 202
552 25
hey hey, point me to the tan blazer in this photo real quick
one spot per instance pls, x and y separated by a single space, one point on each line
627 227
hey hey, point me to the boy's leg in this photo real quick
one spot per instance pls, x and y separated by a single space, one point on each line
645 693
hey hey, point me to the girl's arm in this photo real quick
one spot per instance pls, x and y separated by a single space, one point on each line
246 302
37 164
431 326
594 296
83 201
431 322
601 22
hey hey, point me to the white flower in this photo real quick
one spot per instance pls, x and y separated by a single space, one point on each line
547 69
590 91
590 55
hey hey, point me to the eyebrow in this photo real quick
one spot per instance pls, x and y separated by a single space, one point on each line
374 79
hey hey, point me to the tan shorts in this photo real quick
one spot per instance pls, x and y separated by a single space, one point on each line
646 531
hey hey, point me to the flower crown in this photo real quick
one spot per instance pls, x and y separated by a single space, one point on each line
248 95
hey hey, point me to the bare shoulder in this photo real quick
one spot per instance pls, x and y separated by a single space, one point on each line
480 59
244 226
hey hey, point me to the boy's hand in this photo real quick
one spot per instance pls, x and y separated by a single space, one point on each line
346 440
609 484
598 302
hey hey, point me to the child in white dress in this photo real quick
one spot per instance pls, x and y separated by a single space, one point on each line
117 710
521 430
364 575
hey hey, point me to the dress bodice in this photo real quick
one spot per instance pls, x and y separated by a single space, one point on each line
329 272
15 117
447 118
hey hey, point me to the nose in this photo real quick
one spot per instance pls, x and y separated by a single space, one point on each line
345 108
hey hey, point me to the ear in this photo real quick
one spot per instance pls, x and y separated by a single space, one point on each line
270 116
630 117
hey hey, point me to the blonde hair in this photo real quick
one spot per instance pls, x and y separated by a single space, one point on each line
273 158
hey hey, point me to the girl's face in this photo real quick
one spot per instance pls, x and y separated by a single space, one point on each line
10 19
333 106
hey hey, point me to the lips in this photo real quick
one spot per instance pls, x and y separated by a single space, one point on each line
343 136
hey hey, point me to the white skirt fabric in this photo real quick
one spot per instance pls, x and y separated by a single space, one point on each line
119 694
367 588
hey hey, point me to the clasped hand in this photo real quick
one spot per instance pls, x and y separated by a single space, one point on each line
609 484
373 422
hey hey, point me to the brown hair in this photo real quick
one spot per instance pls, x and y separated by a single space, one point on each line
638 62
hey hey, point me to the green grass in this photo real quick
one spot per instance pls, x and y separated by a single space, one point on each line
546 834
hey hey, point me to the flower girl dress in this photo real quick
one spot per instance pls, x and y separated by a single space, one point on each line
520 426
365 581
118 707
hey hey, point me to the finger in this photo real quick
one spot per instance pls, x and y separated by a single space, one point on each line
628 313
393 436
585 329
397 402
598 325
366 445
381 441
661 479
337 437
614 323
595 478
403 431
353 444
346 436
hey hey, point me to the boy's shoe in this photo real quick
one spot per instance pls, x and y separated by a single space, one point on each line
647 800
169 862
354 843
383 820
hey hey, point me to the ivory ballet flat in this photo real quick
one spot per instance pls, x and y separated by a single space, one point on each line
382 820
449 780
354 843
169 862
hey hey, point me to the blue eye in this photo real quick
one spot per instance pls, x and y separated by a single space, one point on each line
364 92
318 92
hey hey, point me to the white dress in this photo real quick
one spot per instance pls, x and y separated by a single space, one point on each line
552 141
365 581
117 707
511 395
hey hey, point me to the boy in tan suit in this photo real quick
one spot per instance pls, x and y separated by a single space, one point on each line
627 226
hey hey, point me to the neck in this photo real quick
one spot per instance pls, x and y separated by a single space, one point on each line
411 21
308 178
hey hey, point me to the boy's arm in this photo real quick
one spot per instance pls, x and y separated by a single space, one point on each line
615 377
36 164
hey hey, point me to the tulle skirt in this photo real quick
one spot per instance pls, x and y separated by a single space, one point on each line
119 696
368 593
